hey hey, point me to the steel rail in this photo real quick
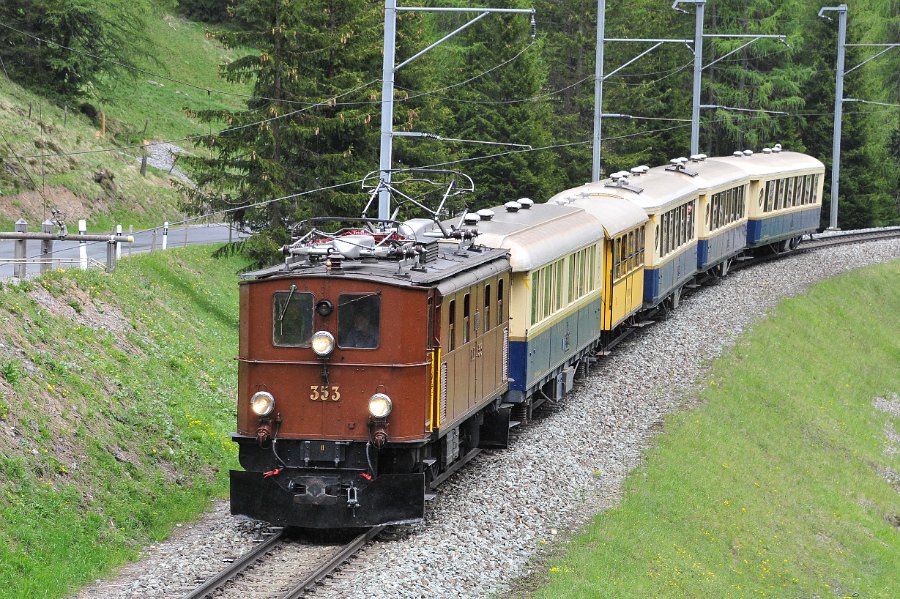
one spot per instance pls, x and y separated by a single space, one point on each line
817 243
238 566
310 582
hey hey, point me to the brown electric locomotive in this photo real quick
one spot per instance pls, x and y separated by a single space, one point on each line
370 367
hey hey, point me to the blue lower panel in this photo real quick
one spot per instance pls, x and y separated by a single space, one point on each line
660 282
531 360
724 245
782 226
518 352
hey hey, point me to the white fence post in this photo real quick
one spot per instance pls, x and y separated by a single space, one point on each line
165 235
82 245
118 245
21 268
46 247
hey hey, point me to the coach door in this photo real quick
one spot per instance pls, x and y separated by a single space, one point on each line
476 343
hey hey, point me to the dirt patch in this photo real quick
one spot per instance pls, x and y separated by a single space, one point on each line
35 207
76 305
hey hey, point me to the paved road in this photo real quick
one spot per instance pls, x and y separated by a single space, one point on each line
66 254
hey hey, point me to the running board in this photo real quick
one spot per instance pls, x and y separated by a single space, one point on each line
456 466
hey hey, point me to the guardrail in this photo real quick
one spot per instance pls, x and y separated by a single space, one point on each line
52 232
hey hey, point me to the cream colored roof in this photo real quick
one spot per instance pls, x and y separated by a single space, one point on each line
614 212
762 165
660 189
539 235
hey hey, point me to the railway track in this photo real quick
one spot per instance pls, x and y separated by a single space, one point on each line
819 241
270 570
316 566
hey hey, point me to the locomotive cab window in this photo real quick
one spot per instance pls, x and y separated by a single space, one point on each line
358 320
292 314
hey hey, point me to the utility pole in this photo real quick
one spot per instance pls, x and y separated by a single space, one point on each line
389 68
698 69
839 99
838 108
598 89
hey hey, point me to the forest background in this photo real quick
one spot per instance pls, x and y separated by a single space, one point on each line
312 119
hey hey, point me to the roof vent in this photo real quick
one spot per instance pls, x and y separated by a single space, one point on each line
698 157
526 203
640 170
748 152
738 154
471 218
767 150
486 214
678 166
620 179
776 148
512 206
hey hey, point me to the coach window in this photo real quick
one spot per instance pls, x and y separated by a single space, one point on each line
452 316
359 316
641 233
292 314
631 251
500 302
670 233
487 308
466 319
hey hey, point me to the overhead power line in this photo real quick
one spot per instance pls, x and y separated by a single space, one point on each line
207 89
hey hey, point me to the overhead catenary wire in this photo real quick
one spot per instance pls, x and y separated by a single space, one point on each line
207 89
197 136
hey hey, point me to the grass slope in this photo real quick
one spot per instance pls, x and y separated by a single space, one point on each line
784 482
116 397
180 50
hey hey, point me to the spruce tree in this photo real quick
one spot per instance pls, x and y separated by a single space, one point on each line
302 130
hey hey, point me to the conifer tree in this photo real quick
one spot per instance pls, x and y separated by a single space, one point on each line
501 104
306 127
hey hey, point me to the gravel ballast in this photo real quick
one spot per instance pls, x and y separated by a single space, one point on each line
492 522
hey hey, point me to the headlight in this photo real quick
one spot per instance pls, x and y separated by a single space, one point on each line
262 403
380 405
323 343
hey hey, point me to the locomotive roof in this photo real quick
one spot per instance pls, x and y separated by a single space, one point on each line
540 234
763 165
449 263
614 212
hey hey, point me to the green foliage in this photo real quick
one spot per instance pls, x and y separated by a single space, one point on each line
139 383
779 484
309 52
88 38
209 11
11 371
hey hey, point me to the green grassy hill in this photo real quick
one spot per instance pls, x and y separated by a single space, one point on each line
116 396
784 483
63 178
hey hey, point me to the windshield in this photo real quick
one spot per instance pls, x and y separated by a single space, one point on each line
358 320
292 318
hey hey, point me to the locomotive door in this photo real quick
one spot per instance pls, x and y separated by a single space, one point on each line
476 341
